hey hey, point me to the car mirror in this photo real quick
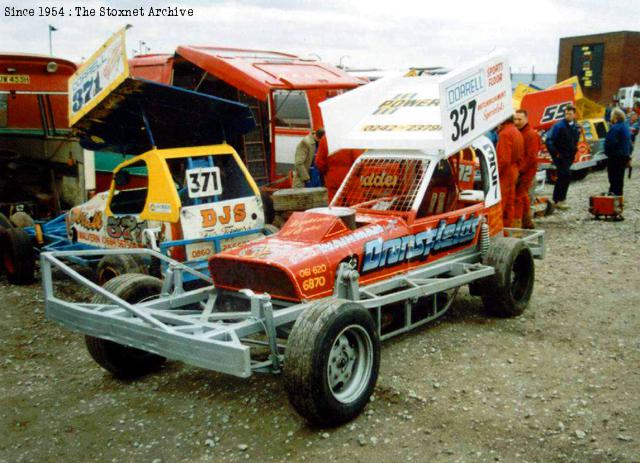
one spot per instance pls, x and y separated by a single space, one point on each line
122 178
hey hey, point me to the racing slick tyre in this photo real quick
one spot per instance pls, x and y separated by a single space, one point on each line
506 293
113 265
18 258
332 362
123 361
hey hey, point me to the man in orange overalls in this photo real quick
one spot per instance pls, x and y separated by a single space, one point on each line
528 169
334 167
510 150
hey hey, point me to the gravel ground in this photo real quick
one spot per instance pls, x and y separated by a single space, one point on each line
560 383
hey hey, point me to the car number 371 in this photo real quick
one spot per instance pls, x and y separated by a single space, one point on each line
204 181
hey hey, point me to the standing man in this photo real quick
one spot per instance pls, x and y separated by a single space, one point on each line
618 148
510 150
562 143
334 167
528 168
305 152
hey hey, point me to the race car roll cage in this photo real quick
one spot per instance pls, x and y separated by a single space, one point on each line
186 325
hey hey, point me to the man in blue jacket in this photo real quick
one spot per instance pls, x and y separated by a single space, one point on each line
562 143
618 148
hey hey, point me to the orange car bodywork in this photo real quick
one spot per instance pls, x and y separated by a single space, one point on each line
300 262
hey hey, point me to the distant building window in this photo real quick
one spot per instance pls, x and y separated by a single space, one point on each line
586 63
292 109
4 117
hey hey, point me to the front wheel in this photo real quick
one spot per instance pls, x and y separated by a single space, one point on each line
123 361
506 293
332 362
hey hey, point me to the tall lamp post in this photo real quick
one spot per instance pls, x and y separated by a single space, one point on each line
51 31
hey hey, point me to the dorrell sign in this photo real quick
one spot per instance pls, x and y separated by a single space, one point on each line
433 114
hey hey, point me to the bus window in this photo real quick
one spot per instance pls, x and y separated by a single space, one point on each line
292 109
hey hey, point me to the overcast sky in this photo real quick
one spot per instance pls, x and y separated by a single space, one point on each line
392 34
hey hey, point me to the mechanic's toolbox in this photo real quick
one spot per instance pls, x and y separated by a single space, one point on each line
606 206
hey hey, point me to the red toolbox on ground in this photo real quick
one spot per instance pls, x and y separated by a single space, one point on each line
607 206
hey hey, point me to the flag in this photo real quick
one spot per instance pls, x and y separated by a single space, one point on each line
52 29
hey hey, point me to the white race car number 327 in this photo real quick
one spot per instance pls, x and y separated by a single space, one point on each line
203 182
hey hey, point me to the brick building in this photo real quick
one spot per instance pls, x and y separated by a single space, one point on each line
602 62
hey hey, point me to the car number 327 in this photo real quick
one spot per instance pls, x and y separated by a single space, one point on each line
204 181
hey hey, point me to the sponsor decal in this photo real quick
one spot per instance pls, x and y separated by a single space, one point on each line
84 220
126 228
404 100
161 208
350 238
465 89
259 251
495 74
380 180
381 253
210 217
402 128
305 226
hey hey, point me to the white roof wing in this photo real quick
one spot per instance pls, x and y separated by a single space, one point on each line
435 114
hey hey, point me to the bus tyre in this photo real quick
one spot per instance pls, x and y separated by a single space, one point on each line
113 265
332 362
122 361
506 293
18 258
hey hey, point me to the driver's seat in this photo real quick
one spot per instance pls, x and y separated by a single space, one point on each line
442 194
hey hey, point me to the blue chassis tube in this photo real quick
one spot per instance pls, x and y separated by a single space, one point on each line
55 237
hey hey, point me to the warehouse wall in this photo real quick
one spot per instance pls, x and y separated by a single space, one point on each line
620 67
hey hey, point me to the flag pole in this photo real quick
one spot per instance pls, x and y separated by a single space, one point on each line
51 30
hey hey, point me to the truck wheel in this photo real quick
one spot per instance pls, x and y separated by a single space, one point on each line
113 265
18 258
507 292
332 362
124 361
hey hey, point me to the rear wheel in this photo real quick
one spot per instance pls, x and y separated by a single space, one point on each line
332 362
507 292
113 265
120 360
18 258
